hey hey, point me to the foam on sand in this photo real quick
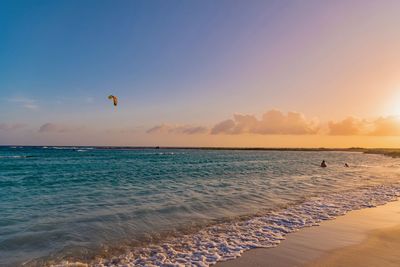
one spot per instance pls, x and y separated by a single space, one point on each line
227 241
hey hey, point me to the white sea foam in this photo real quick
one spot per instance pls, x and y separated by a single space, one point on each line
64 147
229 240
13 157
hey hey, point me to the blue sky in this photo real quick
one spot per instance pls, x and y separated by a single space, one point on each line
168 54
192 62
140 49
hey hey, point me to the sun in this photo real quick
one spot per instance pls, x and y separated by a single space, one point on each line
393 107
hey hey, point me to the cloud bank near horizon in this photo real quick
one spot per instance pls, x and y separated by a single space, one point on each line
382 126
276 122
177 129
273 123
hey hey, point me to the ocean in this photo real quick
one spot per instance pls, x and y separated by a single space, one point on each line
173 207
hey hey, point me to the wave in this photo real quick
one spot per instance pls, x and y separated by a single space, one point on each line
15 157
168 153
229 240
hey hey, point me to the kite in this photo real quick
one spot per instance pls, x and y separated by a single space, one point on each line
114 98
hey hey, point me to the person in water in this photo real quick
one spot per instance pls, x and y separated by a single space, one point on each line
323 164
346 165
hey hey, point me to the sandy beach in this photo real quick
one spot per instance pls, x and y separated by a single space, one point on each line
368 237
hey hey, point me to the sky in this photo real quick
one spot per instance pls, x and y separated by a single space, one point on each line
200 73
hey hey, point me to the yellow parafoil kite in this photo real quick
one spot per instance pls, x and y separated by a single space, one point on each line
114 98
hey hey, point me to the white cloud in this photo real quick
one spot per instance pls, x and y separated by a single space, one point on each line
177 129
11 127
58 128
24 102
272 122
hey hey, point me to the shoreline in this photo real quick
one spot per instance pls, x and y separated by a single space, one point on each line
288 237
190 147
232 244
374 232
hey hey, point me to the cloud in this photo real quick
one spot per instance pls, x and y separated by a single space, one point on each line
226 126
348 126
57 128
30 106
11 127
382 126
126 130
386 126
24 102
273 122
177 129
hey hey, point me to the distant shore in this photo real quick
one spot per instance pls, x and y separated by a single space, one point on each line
361 238
390 152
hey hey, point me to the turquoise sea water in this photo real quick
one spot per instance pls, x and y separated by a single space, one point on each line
79 204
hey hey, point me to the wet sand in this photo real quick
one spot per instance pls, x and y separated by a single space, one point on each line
368 237
381 248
